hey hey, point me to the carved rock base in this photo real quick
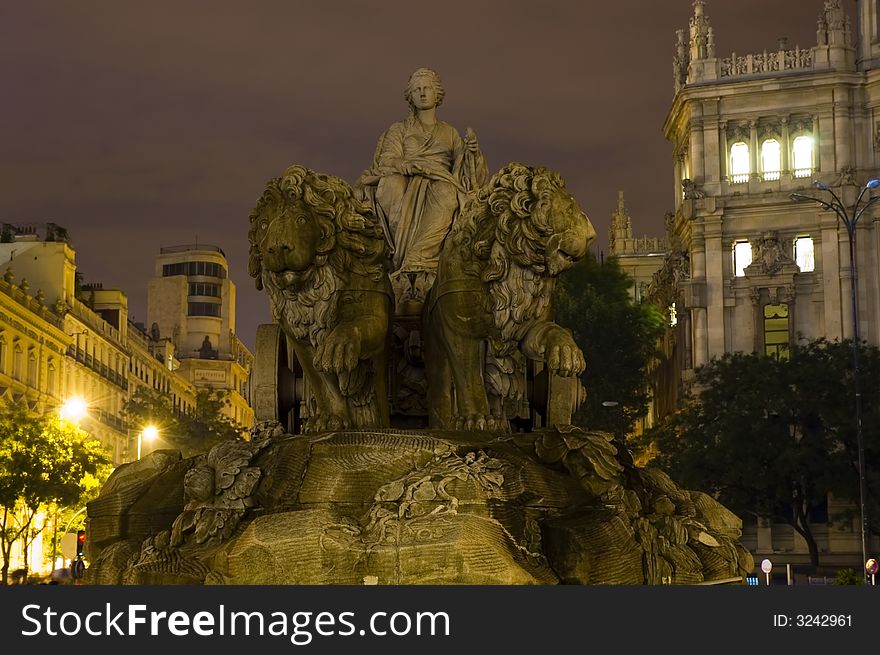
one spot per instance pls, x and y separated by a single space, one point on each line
394 507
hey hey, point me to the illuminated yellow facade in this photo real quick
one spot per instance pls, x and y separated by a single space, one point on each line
60 340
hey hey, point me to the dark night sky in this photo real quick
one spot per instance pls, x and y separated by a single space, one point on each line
142 124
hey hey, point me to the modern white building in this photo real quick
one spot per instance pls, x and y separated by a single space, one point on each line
191 302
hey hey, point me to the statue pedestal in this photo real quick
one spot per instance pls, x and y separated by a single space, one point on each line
417 507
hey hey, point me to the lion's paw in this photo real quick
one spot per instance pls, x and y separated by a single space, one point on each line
562 354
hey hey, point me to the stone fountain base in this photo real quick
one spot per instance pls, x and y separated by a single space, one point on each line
400 507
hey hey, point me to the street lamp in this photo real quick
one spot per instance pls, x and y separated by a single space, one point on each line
149 433
850 219
73 410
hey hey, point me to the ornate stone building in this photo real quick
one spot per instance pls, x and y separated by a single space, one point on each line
641 257
748 268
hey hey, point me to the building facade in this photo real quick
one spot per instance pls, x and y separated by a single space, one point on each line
640 258
749 269
61 339
191 301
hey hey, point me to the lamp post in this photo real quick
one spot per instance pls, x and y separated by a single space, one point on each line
850 219
73 410
149 433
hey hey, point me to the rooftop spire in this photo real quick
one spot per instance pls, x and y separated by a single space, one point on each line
621 226
702 38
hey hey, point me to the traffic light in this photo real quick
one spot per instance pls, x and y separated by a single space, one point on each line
80 543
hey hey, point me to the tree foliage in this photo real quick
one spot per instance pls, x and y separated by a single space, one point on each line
775 436
42 461
618 337
192 432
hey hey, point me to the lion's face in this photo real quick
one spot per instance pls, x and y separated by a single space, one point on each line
572 234
291 242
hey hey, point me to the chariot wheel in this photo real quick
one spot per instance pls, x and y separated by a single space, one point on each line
278 383
552 400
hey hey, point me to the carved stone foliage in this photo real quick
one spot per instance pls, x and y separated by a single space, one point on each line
771 129
494 284
666 282
691 190
801 125
555 505
846 176
770 256
738 132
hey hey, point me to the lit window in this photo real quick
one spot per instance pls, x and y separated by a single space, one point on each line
739 162
804 255
673 316
776 330
742 257
802 156
771 159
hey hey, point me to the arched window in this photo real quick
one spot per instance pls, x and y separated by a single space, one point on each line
17 355
802 156
742 257
51 378
771 159
739 162
776 330
32 368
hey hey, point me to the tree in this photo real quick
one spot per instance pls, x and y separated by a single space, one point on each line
42 460
774 437
192 432
618 337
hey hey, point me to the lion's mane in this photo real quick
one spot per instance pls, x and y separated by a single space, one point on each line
352 244
505 229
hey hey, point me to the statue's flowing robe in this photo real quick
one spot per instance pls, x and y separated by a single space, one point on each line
419 218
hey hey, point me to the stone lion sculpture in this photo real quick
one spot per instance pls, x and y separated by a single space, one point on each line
322 258
494 284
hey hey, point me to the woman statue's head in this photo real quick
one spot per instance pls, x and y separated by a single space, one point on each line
420 75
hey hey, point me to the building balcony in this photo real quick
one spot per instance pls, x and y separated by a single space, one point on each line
101 369
111 420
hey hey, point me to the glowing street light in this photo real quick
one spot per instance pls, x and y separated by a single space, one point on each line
850 218
149 433
74 410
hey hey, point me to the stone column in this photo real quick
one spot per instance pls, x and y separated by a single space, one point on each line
753 150
696 152
785 164
831 280
699 316
714 286
724 159
842 129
